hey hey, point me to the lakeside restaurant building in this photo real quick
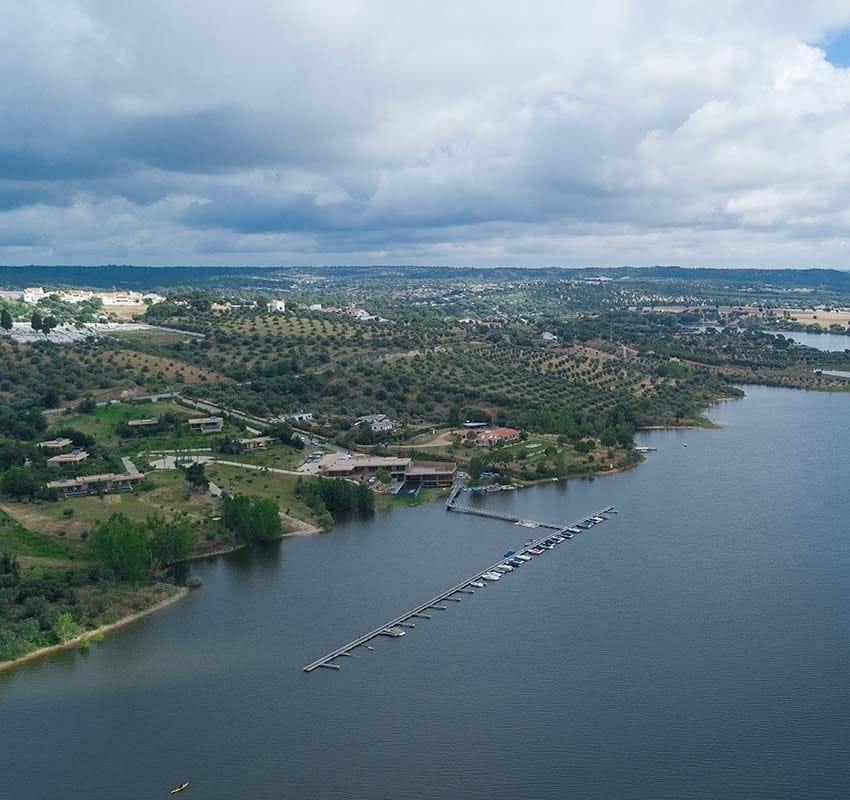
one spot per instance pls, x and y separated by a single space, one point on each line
88 484
427 473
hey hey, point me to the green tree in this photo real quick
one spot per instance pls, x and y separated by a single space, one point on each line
64 628
251 519
476 467
87 405
6 319
19 482
197 476
121 546
49 323
170 541
36 321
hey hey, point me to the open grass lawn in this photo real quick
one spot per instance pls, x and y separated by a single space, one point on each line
14 538
424 496
262 484
170 496
278 455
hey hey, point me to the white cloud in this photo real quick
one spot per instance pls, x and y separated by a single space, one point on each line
476 132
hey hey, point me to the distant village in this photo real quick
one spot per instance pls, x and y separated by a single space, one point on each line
35 294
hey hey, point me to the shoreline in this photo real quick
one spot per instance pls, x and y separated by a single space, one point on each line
181 592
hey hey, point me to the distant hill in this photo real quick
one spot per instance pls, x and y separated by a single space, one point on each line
113 276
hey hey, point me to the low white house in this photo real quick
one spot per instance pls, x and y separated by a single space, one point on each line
379 423
276 306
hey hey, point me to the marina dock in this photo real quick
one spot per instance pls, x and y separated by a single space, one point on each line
395 627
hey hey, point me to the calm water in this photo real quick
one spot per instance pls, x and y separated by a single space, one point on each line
828 342
696 646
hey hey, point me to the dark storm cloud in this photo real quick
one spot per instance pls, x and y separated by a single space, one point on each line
465 133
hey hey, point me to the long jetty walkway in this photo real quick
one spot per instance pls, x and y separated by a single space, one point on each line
392 628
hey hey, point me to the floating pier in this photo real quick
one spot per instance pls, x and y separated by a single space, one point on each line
398 624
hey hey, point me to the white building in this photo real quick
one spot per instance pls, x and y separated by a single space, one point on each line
297 416
277 306
379 423
34 294
549 337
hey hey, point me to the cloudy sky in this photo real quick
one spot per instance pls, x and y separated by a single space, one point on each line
464 132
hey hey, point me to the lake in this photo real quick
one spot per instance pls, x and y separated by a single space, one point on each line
695 646
827 342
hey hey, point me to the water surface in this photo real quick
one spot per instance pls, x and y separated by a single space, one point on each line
695 646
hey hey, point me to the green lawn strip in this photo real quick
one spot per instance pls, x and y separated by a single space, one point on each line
392 501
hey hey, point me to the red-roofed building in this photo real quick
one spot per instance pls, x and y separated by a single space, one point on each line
494 437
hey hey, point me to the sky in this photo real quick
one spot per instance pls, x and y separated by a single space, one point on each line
471 133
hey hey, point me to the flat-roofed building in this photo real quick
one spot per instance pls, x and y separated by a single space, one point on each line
56 444
431 474
77 457
206 424
89 484
148 422
358 466
257 443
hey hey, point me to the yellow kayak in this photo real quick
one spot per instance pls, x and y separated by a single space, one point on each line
179 788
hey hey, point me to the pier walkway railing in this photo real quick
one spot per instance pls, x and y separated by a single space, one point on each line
418 611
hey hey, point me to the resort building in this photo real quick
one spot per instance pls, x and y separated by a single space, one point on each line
497 436
62 459
90 484
431 474
149 422
359 466
401 470
55 444
257 443
206 424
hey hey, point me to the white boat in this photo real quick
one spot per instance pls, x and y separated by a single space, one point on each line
477 584
491 576
505 568
524 557
574 529
597 520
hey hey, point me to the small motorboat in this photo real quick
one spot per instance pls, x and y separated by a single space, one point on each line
179 788
491 576
574 529
524 557
477 584
537 551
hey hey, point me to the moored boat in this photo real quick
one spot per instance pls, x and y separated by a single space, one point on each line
477 584
179 788
524 557
491 576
